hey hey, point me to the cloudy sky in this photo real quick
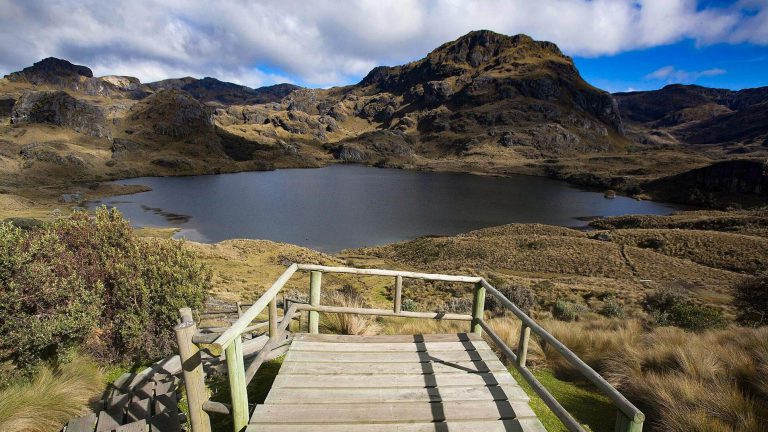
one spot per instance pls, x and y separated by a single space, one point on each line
617 44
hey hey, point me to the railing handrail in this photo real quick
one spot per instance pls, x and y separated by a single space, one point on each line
236 329
633 417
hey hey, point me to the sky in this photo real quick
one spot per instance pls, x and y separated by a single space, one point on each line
618 45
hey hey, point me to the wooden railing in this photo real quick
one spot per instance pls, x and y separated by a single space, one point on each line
229 343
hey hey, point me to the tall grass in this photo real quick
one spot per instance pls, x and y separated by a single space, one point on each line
348 324
51 398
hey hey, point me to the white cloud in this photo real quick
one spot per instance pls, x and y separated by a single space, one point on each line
327 42
670 74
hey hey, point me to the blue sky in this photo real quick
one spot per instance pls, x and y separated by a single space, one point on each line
618 45
732 66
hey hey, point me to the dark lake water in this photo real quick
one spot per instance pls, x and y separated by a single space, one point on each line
345 206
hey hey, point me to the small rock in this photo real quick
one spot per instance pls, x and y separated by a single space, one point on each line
610 194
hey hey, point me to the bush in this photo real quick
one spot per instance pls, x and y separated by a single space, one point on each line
751 297
521 296
87 279
568 311
612 309
671 308
409 305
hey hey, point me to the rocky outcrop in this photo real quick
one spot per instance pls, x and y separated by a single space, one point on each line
61 109
171 113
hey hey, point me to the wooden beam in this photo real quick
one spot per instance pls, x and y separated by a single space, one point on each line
478 308
385 312
194 376
273 317
522 345
568 421
631 411
378 272
315 282
237 384
398 294
226 338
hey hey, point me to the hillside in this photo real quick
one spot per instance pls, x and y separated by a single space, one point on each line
484 103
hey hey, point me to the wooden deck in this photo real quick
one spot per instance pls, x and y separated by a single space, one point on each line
414 383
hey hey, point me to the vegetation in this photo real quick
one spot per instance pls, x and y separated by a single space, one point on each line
668 307
66 390
86 280
347 324
752 300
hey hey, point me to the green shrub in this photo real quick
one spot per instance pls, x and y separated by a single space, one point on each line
409 305
751 297
568 311
521 296
86 279
612 309
671 308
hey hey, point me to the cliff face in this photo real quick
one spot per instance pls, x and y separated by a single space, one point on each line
60 109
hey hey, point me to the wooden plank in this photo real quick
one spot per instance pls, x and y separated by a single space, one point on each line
164 387
374 357
517 425
388 347
85 423
147 390
331 368
119 400
392 412
137 426
110 419
386 395
166 403
387 338
139 410
166 422
378 272
383 381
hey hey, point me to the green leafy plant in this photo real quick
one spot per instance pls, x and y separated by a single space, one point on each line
568 311
86 280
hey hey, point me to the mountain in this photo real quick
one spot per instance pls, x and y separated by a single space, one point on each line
485 102
226 93
695 115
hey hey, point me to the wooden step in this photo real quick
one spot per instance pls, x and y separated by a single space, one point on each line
347 368
396 412
460 337
384 381
85 423
516 425
386 395
388 347
379 357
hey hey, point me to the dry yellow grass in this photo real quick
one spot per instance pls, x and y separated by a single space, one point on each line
347 324
52 397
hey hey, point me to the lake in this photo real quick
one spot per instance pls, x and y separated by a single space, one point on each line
346 206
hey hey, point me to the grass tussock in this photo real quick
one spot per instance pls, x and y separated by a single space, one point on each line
51 398
348 324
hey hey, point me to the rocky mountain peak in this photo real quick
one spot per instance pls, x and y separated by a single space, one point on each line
482 47
51 70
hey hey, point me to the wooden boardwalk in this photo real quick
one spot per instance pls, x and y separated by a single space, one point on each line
413 383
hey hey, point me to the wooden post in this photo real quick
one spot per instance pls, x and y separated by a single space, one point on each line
478 307
626 424
239 309
237 385
194 376
186 314
398 294
273 317
315 281
522 345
